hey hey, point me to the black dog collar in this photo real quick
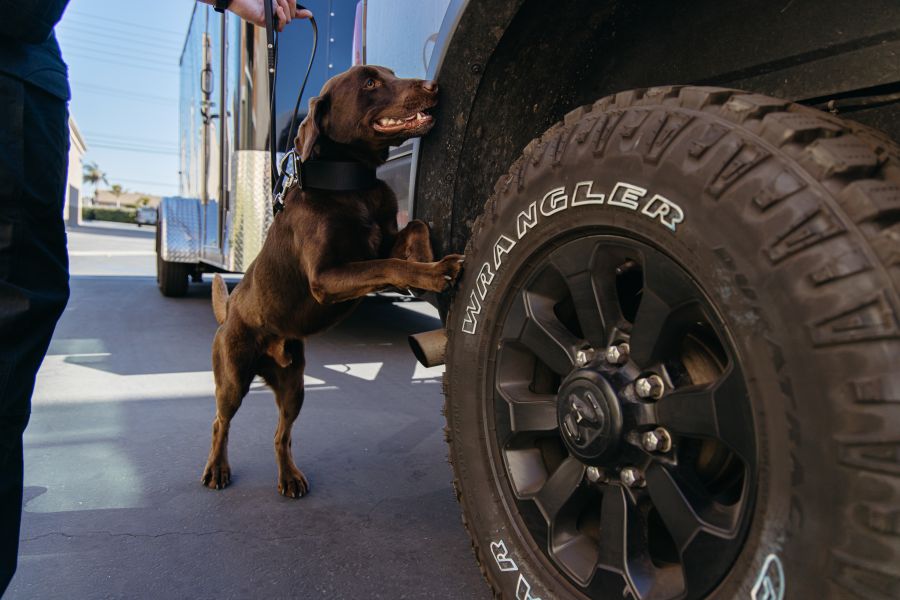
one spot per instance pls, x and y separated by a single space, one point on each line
331 175
335 175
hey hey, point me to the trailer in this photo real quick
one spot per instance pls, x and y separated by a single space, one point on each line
219 220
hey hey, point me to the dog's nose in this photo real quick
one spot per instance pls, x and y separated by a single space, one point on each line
430 86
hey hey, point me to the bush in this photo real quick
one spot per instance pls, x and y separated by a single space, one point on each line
118 215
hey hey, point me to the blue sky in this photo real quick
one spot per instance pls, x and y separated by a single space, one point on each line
123 69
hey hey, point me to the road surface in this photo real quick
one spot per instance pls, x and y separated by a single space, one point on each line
121 427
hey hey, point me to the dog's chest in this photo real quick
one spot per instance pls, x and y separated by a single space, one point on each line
364 233
374 236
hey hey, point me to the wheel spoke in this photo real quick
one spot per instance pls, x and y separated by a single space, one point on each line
716 410
614 530
529 411
623 547
703 531
604 264
559 488
577 554
515 319
546 336
663 292
690 411
575 263
685 508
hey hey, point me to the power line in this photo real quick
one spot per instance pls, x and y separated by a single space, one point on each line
123 64
136 146
90 17
128 139
127 149
102 88
74 28
132 145
124 58
131 59
78 90
117 51
145 182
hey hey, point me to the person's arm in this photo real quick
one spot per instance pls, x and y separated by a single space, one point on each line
30 21
253 11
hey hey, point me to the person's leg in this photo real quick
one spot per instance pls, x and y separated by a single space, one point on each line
34 281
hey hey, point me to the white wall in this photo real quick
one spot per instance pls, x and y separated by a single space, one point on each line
75 177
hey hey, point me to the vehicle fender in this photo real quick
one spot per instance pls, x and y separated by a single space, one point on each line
179 227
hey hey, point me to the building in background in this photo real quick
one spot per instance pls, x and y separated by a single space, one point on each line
77 148
108 199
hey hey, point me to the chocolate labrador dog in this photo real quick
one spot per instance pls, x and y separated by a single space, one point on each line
323 253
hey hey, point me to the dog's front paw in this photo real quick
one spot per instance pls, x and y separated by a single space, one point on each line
445 272
216 476
293 484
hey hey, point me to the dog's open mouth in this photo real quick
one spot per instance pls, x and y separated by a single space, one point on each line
416 121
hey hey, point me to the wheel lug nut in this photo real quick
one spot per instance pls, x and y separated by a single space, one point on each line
631 477
594 475
584 356
658 440
618 354
650 387
625 267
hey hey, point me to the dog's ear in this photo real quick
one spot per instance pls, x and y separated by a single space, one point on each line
308 132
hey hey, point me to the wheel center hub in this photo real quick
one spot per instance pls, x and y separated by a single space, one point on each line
589 415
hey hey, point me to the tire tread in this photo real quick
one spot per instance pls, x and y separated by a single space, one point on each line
861 170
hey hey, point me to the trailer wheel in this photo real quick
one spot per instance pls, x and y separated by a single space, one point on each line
171 277
672 362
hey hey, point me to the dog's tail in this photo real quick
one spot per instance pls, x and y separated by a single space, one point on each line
219 298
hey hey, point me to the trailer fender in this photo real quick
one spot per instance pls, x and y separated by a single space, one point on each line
179 223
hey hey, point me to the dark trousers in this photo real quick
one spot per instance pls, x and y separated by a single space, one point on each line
34 274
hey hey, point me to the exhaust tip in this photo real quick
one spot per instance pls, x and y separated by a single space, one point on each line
429 347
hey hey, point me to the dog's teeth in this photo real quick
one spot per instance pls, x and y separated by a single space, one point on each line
420 116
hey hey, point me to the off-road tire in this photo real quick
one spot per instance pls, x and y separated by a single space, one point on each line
791 226
171 277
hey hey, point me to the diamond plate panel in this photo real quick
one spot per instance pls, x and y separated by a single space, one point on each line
250 211
179 229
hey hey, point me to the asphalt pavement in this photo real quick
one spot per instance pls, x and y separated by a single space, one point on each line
120 430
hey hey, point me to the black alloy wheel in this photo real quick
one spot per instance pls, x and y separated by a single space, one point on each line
621 421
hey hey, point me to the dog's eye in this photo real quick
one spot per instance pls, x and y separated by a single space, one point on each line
370 83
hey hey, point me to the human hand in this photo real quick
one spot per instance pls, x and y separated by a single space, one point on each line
253 11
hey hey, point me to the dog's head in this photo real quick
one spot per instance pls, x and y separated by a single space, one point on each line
366 110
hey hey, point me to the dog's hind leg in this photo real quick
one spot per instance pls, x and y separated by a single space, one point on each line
233 369
287 382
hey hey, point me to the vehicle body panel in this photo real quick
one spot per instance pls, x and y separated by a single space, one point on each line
508 70
179 228
400 35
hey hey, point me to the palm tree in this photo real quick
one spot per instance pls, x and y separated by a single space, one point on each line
116 190
93 175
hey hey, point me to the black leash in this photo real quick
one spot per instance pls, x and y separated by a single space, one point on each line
281 180
317 174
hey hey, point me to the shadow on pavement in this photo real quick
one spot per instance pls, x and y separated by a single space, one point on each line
123 325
